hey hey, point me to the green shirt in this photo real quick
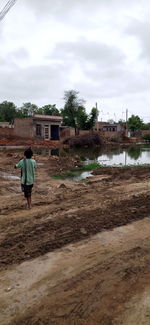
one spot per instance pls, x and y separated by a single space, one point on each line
30 168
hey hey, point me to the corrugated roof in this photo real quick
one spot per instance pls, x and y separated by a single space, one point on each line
47 117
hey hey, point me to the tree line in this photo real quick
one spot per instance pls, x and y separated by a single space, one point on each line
73 113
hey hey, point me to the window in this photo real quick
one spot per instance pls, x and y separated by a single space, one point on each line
38 129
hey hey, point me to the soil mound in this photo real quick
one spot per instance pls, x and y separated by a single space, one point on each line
86 140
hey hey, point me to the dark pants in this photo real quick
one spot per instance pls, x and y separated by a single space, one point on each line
27 189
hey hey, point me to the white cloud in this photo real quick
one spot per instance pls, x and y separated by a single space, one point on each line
98 47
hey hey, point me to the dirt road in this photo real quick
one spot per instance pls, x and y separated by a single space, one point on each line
81 254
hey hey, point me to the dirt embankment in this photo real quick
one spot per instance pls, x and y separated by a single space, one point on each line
85 140
97 234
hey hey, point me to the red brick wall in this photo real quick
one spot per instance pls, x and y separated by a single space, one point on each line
66 133
6 133
70 132
145 132
23 127
108 134
83 132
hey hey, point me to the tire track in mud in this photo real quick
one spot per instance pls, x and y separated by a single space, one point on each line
96 295
35 239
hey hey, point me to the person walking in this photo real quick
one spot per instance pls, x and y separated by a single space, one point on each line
27 166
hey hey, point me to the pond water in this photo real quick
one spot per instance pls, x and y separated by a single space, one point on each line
116 156
106 156
136 155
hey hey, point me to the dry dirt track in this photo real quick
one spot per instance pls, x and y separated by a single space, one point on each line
81 255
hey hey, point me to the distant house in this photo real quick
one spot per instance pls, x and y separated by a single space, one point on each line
110 127
42 127
99 125
4 125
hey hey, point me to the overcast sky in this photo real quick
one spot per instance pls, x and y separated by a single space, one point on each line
100 48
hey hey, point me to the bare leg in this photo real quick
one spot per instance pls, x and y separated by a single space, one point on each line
29 202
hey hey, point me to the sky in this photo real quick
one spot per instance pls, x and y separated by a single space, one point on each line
100 48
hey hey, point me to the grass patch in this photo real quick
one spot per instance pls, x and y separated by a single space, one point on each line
61 177
77 171
72 173
91 166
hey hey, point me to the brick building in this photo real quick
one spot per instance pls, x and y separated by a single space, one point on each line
110 127
42 127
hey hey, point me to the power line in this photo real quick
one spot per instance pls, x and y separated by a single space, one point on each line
7 7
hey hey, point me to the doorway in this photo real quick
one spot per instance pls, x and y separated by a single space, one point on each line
55 132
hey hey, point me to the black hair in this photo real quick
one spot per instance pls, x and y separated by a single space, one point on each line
28 153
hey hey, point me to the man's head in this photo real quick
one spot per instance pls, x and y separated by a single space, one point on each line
28 153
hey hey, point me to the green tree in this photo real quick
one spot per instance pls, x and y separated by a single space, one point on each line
74 113
92 118
8 112
73 108
135 123
49 110
121 121
145 126
27 110
82 118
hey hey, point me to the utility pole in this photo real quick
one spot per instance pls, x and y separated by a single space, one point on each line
96 116
126 122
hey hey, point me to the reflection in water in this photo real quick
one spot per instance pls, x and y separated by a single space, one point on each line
134 152
117 156
47 152
133 155
106 156
54 152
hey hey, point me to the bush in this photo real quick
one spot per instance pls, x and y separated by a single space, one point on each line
146 137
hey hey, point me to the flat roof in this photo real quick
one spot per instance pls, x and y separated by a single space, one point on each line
47 117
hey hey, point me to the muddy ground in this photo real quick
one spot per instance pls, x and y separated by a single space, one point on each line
81 255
